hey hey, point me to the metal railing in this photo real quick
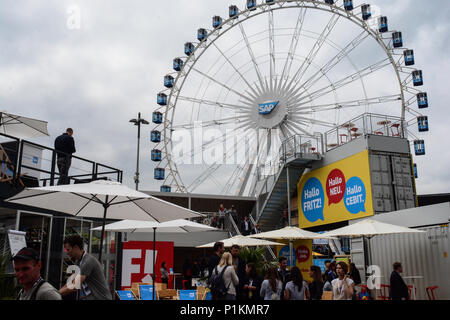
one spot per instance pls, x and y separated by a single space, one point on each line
38 162
300 145
368 123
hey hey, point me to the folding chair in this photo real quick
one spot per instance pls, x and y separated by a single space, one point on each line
385 290
201 293
135 289
410 293
327 295
160 286
430 292
187 295
125 295
7 168
168 294
146 292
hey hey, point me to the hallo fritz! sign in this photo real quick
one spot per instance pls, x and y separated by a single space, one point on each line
337 192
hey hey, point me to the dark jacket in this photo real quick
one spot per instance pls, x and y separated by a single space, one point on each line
212 263
316 290
66 144
240 272
399 289
285 277
243 227
257 282
355 276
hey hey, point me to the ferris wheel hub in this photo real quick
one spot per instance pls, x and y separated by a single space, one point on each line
269 109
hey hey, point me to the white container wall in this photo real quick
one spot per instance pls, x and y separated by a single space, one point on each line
425 255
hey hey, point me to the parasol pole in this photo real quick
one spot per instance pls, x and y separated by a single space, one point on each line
154 275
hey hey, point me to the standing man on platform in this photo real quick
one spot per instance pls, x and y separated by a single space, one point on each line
64 146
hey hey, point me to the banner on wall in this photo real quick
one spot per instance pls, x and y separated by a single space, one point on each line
302 253
137 261
337 192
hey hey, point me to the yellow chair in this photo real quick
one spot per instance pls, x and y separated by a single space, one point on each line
327 295
135 290
168 294
201 293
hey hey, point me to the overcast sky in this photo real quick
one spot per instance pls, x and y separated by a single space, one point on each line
97 77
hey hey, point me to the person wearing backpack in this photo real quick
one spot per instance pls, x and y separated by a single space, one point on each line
224 279
27 268
271 287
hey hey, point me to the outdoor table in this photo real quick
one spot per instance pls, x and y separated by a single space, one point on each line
413 294
348 125
384 123
356 135
174 276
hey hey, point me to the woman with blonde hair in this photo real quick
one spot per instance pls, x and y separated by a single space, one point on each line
230 278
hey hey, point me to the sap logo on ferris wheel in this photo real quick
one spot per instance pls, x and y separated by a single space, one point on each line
267 107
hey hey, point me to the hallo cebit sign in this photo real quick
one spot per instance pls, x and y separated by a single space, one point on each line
337 192
267 107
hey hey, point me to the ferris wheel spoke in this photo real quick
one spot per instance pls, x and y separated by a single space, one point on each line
212 168
221 84
202 177
212 143
239 108
294 44
349 104
252 55
315 49
208 123
296 127
236 69
314 121
342 82
334 61
271 48
233 177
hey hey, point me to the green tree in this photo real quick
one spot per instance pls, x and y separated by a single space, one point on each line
256 256
8 287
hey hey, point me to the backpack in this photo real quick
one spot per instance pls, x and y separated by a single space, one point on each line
218 288
35 292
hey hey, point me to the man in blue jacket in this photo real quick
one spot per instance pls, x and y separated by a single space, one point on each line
64 146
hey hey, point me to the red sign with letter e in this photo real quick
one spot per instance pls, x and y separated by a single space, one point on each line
137 261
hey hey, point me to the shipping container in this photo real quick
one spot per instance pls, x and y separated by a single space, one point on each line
422 255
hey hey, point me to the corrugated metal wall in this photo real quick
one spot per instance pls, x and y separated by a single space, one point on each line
420 254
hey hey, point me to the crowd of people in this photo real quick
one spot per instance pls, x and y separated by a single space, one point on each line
230 277
242 281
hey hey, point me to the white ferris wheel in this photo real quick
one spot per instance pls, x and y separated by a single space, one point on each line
272 70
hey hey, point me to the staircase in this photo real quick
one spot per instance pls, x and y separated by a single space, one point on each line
297 154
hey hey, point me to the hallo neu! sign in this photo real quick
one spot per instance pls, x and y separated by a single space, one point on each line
337 192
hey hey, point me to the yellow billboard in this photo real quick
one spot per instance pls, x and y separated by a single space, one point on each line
338 192
302 255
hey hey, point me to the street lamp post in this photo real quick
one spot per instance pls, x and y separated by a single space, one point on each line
137 122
